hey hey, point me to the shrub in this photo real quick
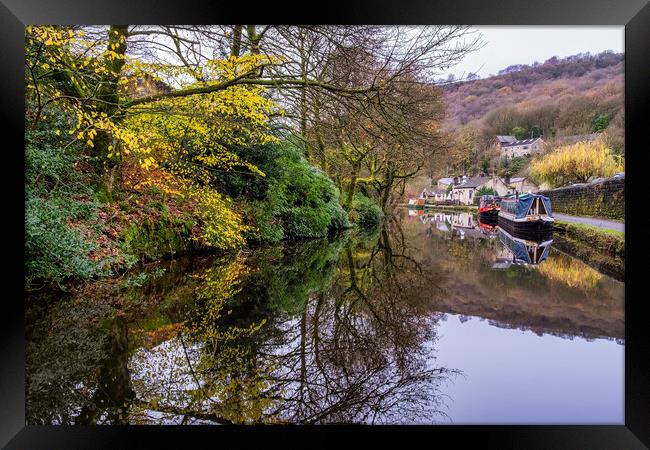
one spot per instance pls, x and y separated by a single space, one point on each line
56 201
576 163
221 227
513 165
154 240
600 122
364 211
53 250
294 200
486 191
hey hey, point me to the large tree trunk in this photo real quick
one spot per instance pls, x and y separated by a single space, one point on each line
108 94
236 41
351 187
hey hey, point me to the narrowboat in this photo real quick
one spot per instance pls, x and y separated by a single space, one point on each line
526 214
488 206
523 251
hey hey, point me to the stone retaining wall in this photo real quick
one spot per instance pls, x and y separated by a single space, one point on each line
604 198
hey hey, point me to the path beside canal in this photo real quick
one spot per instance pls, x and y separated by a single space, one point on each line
602 223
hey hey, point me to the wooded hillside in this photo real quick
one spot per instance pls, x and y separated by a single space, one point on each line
576 95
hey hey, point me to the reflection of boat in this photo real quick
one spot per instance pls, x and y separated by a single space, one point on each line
488 206
528 213
416 203
488 224
521 251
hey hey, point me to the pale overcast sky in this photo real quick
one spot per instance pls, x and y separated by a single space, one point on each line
506 46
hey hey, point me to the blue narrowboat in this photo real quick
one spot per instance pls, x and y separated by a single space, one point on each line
526 214
523 251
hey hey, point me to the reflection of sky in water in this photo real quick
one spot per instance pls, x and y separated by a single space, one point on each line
515 376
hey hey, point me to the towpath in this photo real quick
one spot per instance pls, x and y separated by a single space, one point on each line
602 223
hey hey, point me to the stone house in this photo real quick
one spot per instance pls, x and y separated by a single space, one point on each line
510 147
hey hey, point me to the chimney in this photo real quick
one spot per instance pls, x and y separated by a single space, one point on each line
455 181
506 180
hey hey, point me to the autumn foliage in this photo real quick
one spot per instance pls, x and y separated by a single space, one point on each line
577 163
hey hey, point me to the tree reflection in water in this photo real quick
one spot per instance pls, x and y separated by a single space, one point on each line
325 334
336 331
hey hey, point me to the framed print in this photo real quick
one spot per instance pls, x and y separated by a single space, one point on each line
414 217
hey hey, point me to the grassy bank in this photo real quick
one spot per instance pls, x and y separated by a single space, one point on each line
602 249
611 242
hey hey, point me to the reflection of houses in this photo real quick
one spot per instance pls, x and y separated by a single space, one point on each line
465 193
462 220
511 147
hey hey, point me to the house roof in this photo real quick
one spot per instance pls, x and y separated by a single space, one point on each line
437 192
446 180
522 142
506 139
517 179
473 182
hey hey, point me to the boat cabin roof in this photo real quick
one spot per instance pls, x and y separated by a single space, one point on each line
522 196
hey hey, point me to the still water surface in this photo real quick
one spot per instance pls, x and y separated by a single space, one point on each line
433 319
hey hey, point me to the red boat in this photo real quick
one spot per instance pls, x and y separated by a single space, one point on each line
489 205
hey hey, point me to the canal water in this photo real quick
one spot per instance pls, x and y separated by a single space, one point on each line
433 318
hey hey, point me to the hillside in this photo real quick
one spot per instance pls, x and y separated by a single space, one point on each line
576 95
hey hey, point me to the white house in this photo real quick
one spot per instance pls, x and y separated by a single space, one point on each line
466 192
439 195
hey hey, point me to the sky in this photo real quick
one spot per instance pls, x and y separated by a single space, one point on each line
506 46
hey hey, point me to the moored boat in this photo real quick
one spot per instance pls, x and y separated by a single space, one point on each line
488 206
526 214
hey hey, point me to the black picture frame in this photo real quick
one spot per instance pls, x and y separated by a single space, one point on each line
633 14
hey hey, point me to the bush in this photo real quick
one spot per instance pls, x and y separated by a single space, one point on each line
512 166
221 227
57 201
364 211
154 240
600 122
486 191
54 251
577 163
294 200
